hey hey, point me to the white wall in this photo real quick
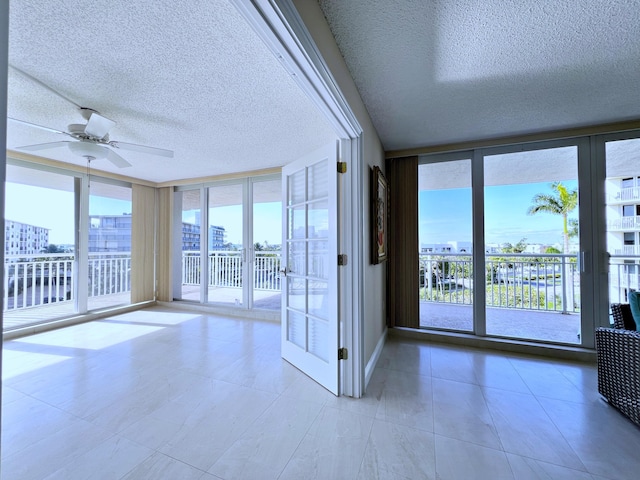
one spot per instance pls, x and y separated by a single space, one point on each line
374 281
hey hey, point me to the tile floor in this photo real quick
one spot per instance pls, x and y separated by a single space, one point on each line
165 394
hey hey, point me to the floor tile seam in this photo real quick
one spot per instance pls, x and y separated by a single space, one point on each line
555 464
476 383
153 452
554 425
296 398
504 453
570 380
543 396
502 450
522 379
391 369
297 447
74 455
300 442
57 407
366 444
160 452
564 437
244 430
493 418
386 470
559 430
403 425
472 442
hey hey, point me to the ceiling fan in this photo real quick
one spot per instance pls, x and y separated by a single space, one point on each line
90 140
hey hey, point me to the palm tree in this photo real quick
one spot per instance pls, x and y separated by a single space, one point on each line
561 202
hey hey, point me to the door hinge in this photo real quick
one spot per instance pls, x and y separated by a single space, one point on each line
342 167
342 259
343 354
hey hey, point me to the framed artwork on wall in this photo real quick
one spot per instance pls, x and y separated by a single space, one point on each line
379 216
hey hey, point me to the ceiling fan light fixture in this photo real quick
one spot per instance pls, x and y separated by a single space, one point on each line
87 149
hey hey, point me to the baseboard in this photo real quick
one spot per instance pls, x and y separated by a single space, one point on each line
256 314
75 320
375 356
578 354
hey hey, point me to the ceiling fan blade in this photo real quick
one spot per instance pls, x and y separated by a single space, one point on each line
116 159
42 84
142 149
37 126
43 146
98 126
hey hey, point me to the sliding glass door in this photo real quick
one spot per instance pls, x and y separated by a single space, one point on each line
508 243
622 199
67 244
445 240
40 258
187 245
531 209
229 245
226 252
267 239
109 261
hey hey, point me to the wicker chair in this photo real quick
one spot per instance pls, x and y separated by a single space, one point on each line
618 351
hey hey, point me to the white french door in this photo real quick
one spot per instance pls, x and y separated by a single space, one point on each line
309 266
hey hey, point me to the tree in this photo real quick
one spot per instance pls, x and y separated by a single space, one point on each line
53 248
519 247
561 202
573 228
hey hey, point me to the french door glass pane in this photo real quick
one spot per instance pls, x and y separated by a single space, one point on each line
39 272
531 243
622 189
109 245
225 249
445 238
191 218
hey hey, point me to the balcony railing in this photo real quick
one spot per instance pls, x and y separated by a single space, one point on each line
624 276
624 223
35 280
628 250
523 281
628 194
31 281
225 269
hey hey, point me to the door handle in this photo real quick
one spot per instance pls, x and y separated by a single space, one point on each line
284 271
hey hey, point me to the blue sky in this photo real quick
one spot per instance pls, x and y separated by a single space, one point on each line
267 224
445 215
53 209
43 207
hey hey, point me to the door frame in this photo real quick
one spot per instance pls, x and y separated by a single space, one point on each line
279 25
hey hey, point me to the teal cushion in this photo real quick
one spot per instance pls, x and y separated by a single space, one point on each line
634 303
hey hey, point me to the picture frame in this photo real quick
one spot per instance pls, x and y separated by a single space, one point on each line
379 216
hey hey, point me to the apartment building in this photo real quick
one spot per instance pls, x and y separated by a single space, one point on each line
24 239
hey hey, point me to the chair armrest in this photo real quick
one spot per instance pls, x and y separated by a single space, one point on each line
618 353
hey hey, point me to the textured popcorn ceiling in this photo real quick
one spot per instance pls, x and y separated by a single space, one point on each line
187 76
441 71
